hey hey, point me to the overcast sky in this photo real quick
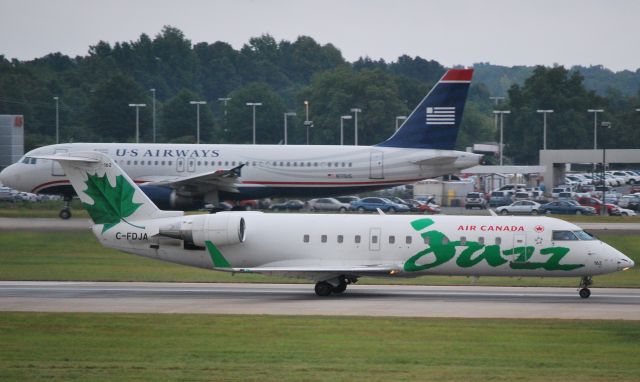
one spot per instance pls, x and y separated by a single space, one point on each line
462 32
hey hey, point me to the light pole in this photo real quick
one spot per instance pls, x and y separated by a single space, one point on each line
502 113
153 93
400 118
292 114
342 118
496 99
355 125
603 207
57 119
307 123
198 103
595 126
253 105
225 100
544 129
138 106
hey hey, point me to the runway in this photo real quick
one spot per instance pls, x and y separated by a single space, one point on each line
299 299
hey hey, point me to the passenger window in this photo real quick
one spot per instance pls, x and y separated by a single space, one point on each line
357 239
392 239
426 239
199 163
323 238
445 241
481 240
135 162
305 238
340 239
463 240
128 163
170 163
498 241
155 163
374 239
408 239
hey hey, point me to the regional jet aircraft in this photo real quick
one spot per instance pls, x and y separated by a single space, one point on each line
185 176
333 250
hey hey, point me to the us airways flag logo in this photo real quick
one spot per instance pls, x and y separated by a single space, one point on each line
441 115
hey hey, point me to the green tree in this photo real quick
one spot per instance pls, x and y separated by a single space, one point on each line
269 116
179 120
109 113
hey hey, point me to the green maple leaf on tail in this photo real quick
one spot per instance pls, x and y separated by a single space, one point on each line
111 204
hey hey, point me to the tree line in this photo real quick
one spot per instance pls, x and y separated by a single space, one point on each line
94 92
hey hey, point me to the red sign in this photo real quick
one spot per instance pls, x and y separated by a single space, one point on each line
18 121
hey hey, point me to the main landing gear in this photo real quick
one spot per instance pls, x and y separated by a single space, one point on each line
65 212
336 285
584 286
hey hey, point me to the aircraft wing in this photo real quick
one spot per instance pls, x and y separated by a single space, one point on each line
362 270
223 180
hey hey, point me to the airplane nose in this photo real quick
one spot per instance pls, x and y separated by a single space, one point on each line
9 176
625 263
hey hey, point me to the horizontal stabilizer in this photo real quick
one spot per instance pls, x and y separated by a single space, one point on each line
437 161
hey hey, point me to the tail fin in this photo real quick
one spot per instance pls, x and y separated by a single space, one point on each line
434 123
107 192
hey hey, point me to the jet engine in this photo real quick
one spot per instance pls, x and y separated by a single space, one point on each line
221 229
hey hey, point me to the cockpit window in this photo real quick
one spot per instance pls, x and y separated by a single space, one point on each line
28 160
564 235
583 235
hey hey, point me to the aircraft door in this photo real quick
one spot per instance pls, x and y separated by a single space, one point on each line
180 164
376 165
191 164
375 235
56 170
520 253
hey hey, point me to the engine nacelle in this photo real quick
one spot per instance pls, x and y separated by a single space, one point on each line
221 229
167 198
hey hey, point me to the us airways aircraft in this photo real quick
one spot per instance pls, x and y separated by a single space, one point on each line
184 176
333 250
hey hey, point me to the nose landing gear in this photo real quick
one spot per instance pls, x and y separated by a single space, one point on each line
65 212
584 287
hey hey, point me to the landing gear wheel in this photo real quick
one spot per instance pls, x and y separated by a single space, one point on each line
340 288
65 214
584 286
585 293
323 289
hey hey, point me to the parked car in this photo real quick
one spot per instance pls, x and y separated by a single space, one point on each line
26 197
570 207
631 202
626 212
373 203
597 205
8 194
475 200
555 192
522 195
289 205
395 199
499 198
424 207
347 199
566 195
520 207
327 204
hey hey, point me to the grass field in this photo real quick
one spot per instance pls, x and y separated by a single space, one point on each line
135 347
77 256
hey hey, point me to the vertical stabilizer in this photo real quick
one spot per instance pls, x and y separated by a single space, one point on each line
106 192
435 122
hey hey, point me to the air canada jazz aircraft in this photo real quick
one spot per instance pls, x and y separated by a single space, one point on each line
333 250
184 176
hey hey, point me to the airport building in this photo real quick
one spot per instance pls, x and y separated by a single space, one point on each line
11 139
